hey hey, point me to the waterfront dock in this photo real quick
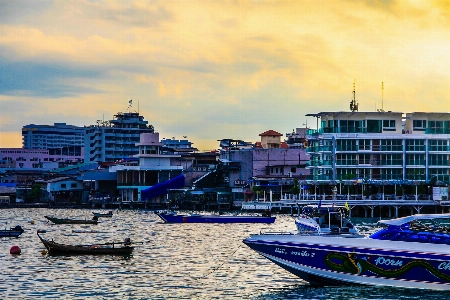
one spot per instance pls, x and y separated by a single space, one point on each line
357 207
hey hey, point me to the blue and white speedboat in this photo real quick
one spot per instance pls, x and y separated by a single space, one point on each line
409 252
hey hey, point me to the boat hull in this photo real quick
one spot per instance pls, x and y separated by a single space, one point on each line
70 221
171 218
347 260
103 249
10 233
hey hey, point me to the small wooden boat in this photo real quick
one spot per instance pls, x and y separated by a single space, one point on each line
12 232
111 248
106 215
72 221
171 217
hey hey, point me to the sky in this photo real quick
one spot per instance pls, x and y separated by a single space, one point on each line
212 70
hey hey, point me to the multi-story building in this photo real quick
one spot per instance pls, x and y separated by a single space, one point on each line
156 166
59 138
34 159
384 146
116 139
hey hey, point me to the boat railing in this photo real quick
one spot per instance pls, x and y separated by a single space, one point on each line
276 233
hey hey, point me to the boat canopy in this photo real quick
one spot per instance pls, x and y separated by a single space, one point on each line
405 220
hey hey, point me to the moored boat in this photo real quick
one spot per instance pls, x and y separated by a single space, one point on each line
72 221
12 232
409 252
172 217
109 214
110 248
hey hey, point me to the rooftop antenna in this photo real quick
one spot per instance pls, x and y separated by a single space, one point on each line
382 98
353 103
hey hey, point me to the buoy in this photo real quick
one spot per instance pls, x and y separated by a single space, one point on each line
32 222
15 250
44 252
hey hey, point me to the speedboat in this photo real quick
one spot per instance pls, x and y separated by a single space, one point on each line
408 252
324 219
173 217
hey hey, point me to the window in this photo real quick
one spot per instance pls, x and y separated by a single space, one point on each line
391 145
364 159
73 185
438 145
346 159
415 159
389 125
415 145
293 170
63 185
419 125
364 144
438 160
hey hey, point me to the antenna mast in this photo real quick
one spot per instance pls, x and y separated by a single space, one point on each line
353 104
382 98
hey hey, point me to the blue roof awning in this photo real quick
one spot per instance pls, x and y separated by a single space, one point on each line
162 188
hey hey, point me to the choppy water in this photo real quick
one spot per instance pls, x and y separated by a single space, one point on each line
175 261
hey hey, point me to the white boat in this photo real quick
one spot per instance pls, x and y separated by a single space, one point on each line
324 219
409 252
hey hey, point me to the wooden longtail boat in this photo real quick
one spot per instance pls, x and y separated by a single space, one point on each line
72 221
111 248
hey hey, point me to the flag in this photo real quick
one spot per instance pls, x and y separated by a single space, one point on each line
346 206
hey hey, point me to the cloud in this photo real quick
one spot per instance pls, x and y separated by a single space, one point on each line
213 69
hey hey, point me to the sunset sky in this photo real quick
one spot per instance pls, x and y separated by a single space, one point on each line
213 70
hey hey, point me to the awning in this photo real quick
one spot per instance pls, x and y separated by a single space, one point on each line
162 187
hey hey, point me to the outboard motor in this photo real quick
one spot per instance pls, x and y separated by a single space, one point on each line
127 242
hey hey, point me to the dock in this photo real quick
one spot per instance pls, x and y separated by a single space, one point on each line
359 208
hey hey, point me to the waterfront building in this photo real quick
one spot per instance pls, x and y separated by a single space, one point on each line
380 146
179 146
59 138
116 139
157 165
34 159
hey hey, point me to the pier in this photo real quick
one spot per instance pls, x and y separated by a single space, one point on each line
357 208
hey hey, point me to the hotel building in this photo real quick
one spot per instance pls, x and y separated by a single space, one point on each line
116 139
380 146
59 139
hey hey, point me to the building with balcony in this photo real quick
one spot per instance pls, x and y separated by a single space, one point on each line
159 169
116 139
380 146
59 138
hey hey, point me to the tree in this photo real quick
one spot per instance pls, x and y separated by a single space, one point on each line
257 189
296 188
35 193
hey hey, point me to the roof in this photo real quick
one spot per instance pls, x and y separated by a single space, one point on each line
271 133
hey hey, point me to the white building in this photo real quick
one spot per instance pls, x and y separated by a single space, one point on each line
380 146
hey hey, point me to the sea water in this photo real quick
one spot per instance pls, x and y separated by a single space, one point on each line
171 261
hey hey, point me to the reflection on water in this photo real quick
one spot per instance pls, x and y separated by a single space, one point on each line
174 261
